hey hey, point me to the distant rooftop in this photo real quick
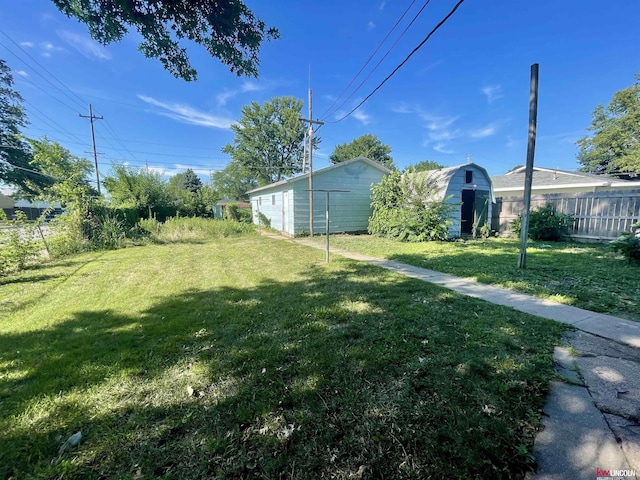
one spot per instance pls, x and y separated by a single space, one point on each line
553 177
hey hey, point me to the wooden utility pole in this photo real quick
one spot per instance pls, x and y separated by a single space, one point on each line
311 123
91 118
528 177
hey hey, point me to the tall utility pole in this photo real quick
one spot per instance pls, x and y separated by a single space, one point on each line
528 175
311 123
91 118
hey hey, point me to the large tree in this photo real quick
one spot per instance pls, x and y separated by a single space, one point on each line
187 181
424 166
613 148
365 146
69 173
145 191
233 182
15 152
226 28
269 139
190 197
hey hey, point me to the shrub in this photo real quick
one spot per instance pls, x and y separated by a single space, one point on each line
17 244
264 220
545 224
628 243
404 209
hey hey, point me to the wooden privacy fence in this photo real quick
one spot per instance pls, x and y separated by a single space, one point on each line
598 216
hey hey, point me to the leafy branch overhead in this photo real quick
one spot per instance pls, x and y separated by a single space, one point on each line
226 28
613 148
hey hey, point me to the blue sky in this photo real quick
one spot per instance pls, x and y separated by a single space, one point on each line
465 92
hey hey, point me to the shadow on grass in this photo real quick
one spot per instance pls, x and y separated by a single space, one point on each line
351 372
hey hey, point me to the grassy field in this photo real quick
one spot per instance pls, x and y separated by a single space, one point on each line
588 276
251 358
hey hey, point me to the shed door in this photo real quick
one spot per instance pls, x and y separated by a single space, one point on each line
481 202
466 217
285 211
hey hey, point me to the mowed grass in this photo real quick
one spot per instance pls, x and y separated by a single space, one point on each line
251 358
586 275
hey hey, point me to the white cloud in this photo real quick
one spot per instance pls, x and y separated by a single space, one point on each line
371 25
441 148
22 73
492 92
359 115
483 132
362 117
382 4
85 45
46 48
247 86
187 114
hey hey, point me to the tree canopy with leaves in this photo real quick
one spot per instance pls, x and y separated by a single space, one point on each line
269 138
424 166
186 181
365 146
613 148
233 182
227 29
136 188
69 173
15 152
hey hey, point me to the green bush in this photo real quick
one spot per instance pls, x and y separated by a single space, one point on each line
404 209
545 224
628 243
264 220
17 244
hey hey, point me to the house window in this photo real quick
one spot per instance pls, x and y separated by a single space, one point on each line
468 176
273 199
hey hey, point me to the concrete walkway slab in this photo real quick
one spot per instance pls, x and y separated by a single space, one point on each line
576 438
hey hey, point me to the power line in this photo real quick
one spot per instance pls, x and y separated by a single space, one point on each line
440 24
383 57
43 68
324 115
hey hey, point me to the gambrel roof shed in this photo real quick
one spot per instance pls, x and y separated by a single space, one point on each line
285 204
470 187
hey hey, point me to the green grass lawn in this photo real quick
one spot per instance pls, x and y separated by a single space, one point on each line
251 358
588 276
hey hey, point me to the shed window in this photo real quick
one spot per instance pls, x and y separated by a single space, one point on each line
273 199
468 176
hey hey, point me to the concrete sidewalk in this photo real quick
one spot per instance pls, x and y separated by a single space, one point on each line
591 419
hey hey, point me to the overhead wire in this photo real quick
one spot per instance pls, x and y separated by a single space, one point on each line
369 59
418 47
415 17
77 98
